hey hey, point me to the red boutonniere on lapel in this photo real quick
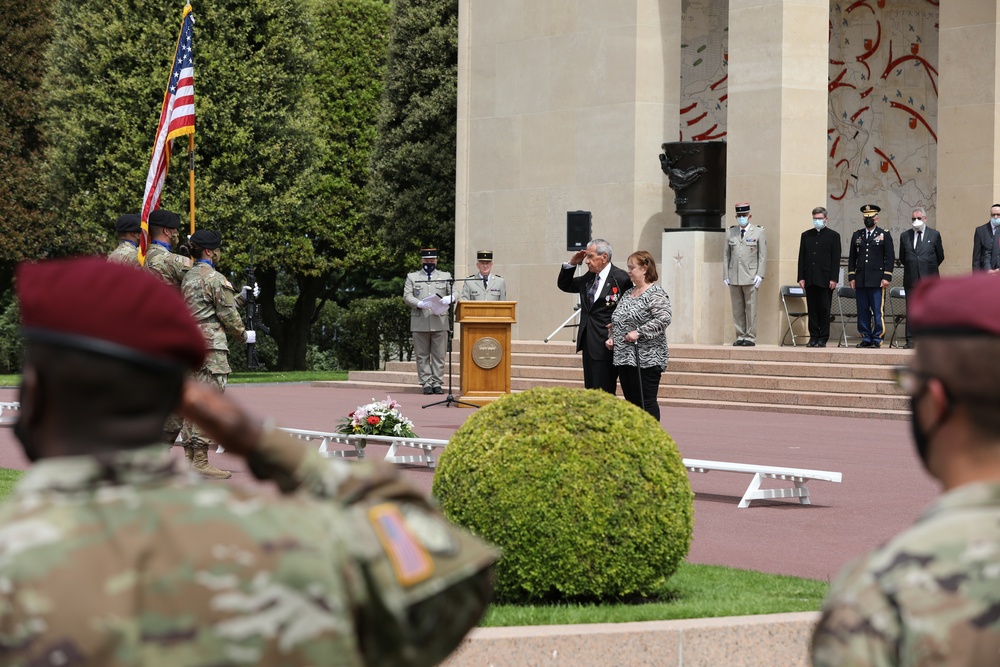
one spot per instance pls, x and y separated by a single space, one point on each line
612 299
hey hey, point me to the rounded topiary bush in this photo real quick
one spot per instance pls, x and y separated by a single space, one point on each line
585 493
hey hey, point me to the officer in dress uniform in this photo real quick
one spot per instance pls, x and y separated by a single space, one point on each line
869 270
485 285
128 227
743 264
430 330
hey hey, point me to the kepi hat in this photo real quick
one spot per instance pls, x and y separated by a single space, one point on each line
428 253
484 255
743 207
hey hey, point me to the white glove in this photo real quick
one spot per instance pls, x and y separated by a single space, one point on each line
247 289
256 290
757 281
251 336
726 280
447 300
422 304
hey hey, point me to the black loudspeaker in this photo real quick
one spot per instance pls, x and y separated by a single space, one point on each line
577 230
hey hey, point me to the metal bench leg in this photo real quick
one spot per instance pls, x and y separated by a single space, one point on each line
751 492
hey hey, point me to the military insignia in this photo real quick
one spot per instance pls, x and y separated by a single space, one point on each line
227 284
186 261
410 561
432 531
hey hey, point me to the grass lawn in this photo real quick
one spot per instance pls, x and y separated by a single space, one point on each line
8 478
700 591
286 376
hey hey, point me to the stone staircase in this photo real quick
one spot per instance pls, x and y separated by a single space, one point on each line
826 381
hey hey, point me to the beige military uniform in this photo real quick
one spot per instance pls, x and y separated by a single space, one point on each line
213 302
744 257
495 289
430 331
165 265
126 253
130 561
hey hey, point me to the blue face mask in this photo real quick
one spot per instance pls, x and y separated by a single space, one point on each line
743 220
429 267
819 224
995 221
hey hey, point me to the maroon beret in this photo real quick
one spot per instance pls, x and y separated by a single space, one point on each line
89 303
967 305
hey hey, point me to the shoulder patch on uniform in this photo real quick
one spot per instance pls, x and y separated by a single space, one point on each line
227 284
410 560
186 261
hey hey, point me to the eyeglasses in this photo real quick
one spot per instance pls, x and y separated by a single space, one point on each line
909 380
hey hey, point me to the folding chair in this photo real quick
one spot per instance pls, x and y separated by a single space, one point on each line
848 315
788 293
897 301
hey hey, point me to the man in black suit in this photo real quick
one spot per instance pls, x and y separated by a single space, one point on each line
599 290
983 240
920 253
819 267
869 269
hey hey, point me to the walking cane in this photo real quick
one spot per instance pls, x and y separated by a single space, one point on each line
638 370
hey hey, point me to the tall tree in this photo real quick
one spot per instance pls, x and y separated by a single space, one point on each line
412 189
262 147
25 31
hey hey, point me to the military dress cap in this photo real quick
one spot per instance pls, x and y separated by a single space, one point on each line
963 306
428 253
111 309
164 218
869 210
743 207
130 222
207 239
484 256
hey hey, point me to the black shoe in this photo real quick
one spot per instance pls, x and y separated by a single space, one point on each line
427 389
823 344
812 343
863 343
738 343
438 390
909 345
748 343
875 346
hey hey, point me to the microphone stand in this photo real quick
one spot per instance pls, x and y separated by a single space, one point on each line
450 398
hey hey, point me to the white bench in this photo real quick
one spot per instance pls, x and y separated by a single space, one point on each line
7 419
354 446
798 476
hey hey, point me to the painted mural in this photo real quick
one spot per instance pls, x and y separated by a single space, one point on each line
883 91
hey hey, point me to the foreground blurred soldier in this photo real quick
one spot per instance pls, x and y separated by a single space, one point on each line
113 555
212 301
931 596
128 227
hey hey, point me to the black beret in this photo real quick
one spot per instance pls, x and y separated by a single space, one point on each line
130 222
163 218
207 239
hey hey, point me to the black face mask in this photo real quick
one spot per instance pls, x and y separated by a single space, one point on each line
429 267
869 223
921 438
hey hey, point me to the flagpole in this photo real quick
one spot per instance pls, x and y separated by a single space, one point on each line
191 177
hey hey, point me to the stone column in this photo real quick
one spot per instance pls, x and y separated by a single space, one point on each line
778 71
968 170
562 106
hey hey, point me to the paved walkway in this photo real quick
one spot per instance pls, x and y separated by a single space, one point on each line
883 490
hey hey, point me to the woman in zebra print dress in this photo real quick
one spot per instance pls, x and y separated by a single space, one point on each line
639 334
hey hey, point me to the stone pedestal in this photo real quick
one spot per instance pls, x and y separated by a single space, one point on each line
691 273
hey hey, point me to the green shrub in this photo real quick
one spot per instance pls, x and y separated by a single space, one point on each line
585 493
369 331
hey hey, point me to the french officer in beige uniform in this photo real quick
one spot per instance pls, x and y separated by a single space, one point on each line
484 285
743 264
430 330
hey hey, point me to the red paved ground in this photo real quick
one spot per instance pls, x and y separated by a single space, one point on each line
883 490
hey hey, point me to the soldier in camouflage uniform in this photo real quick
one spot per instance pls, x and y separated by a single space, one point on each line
169 267
128 227
931 595
212 301
112 554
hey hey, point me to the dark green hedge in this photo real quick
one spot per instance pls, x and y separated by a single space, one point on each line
585 493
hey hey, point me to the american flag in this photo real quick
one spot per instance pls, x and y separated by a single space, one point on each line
176 120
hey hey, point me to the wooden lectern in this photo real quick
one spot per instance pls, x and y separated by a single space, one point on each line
485 367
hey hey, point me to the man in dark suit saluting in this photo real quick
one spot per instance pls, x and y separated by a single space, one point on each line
920 253
599 290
